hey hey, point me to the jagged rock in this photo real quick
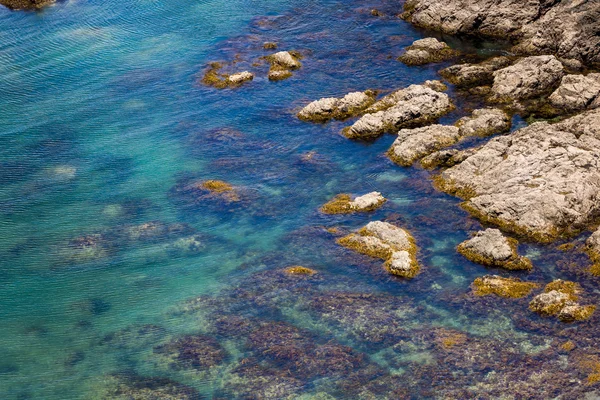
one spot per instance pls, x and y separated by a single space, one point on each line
566 28
386 241
414 106
344 204
240 77
484 122
425 51
414 144
333 108
465 75
446 158
577 92
503 287
542 181
529 77
492 248
25 4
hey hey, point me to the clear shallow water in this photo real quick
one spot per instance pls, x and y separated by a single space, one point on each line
103 115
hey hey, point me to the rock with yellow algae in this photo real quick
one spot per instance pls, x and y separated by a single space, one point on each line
492 248
344 204
503 287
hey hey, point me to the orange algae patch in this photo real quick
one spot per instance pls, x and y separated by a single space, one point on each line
300 270
568 345
217 186
504 287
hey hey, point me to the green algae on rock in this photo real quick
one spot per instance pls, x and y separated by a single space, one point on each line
344 204
425 51
492 248
386 241
504 287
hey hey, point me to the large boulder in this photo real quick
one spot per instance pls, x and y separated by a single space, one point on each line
542 181
492 248
528 78
577 92
566 28
414 106
425 51
327 108
414 144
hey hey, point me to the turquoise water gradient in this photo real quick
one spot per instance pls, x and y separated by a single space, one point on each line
102 114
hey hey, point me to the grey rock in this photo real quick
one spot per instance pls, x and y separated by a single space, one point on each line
425 51
330 107
414 144
465 75
484 122
577 92
492 248
446 158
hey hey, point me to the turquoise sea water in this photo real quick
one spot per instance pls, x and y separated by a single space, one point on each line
102 116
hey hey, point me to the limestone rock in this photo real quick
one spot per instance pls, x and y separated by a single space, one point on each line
333 108
577 92
386 241
414 106
436 85
466 75
484 122
279 74
529 77
542 181
414 144
425 51
492 248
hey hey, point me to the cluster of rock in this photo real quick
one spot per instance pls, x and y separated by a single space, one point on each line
567 29
425 51
492 248
541 181
388 242
560 299
282 64
417 143
345 204
328 108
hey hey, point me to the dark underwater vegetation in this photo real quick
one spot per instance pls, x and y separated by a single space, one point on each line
148 222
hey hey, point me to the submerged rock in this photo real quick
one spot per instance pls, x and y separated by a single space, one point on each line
344 204
411 107
414 144
386 241
542 181
503 287
196 352
529 77
127 387
425 51
198 192
560 299
564 28
484 122
324 109
468 75
300 270
492 248
577 92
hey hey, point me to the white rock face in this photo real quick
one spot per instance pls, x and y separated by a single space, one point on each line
529 77
240 77
367 201
413 106
542 180
577 92
484 122
330 107
286 60
414 144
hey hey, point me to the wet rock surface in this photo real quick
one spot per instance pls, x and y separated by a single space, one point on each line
492 248
425 51
503 287
541 181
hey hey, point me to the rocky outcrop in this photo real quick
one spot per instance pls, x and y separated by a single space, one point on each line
25 4
324 109
425 51
577 92
565 28
504 287
484 122
344 204
215 78
386 241
282 64
414 106
560 299
467 75
492 248
528 78
542 181
414 144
